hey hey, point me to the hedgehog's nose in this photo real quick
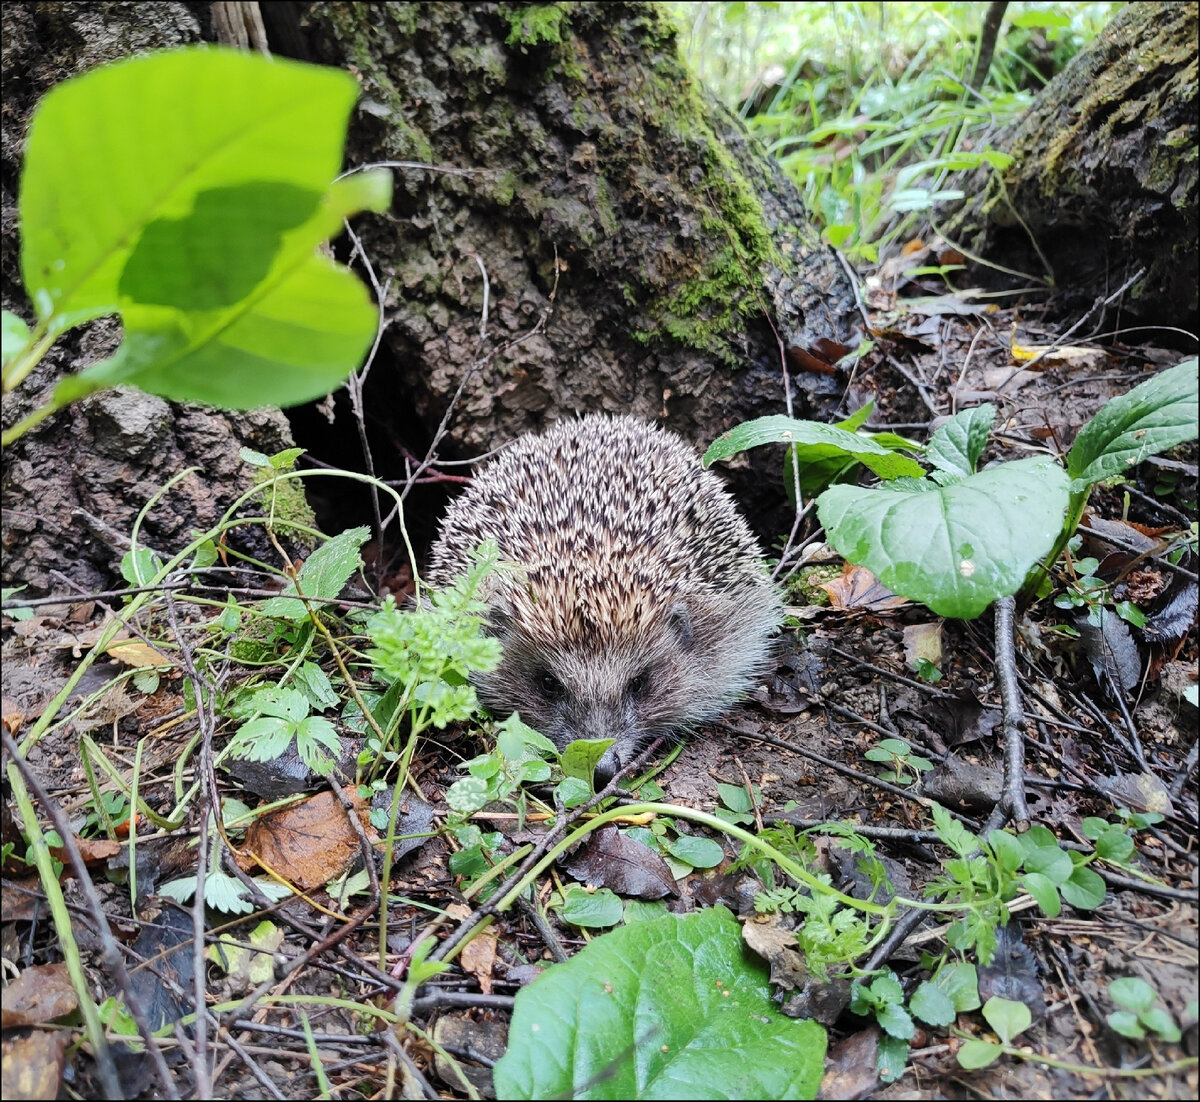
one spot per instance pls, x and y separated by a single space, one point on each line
607 768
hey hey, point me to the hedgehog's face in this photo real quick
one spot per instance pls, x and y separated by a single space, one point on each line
631 689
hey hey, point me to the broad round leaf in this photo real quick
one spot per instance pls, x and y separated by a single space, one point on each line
954 548
669 1008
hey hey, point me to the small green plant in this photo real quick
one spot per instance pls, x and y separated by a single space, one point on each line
281 716
428 653
956 539
904 767
986 874
1085 590
883 999
1141 1013
1009 1019
197 220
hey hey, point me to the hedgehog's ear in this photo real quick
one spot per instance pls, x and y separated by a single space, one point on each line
680 618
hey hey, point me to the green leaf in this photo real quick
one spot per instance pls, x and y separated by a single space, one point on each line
14 336
1044 855
573 791
960 982
1085 890
197 220
891 1057
954 548
1007 849
976 1054
1125 1022
896 1021
958 444
1044 892
580 758
1133 993
1006 1017
1159 1021
932 1005
786 430
467 796
670 1008
700 853
591 909
323 575
1153 416
1114 845
735 797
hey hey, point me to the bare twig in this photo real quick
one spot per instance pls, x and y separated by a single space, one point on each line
1012 804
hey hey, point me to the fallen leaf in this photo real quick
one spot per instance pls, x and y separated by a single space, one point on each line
38 995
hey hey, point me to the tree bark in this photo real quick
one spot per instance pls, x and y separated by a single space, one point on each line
604 191
1104 178
636 253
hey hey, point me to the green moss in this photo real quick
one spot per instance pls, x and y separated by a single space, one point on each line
289 506
533 24
709 305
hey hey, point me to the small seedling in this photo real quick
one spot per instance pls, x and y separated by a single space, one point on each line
1141 1013
905 766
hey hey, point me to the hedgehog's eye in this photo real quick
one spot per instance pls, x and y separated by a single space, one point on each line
551 687
639 684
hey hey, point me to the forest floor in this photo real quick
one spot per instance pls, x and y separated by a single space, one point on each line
847 677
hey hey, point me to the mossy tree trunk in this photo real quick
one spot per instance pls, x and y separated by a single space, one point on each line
635 250
1103 182
598 185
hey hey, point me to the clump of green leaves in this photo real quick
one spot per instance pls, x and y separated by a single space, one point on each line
904 767
428 653
987 873
883 999
955 538
281 716
1141 1013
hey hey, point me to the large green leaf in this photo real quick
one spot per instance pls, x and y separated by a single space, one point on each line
1153 416
187 190
787 430
954 548
668 1008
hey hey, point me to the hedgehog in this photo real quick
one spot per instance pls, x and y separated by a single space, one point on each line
638 605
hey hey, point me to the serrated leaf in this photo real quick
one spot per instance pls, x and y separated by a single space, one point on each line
891 1056
896 1021
787 430
323 575
669 1008
954 548
932 1005
957 445
1153 416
